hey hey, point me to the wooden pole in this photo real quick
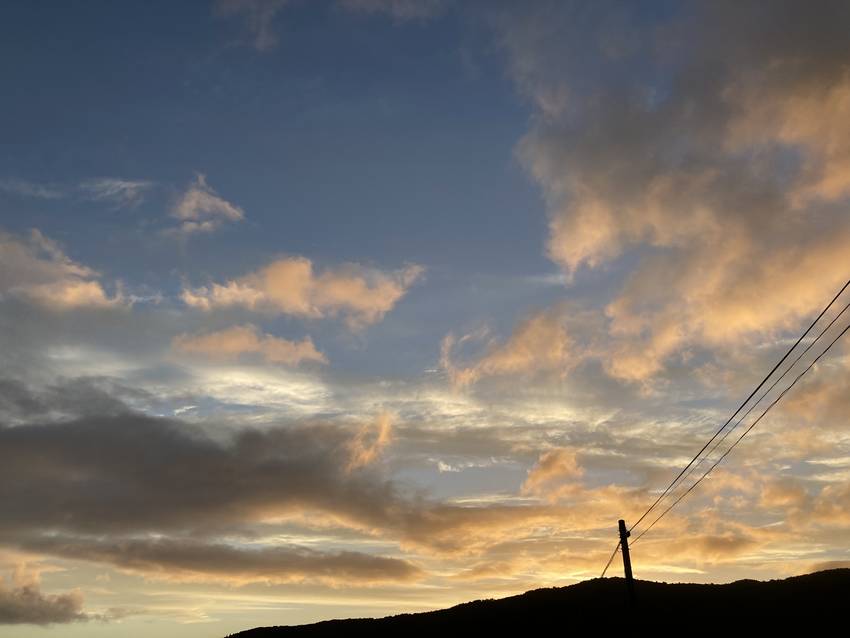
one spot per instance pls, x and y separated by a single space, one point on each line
627 561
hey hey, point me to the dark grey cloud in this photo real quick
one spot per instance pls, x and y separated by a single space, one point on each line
188 558
134 473
96 483
163 495
20 402
28 605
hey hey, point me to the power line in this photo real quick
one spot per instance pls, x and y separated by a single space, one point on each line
610 560
747 400
747 431
735 425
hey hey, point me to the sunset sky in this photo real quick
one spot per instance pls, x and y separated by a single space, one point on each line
330 308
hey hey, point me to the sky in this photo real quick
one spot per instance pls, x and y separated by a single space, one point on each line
316 309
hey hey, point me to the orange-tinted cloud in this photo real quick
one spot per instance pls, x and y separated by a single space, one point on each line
370 441
555 470
37 269
290 286
539 342
727 193
234 342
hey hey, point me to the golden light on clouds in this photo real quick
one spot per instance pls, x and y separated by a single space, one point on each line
290 286
227 380
231 343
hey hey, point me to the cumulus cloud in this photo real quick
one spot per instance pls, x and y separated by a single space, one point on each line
36 268
726 185
555 470
22 602
539 342
231 343
675 194
290 286
201 210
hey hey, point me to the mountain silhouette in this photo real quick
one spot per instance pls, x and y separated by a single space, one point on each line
602 603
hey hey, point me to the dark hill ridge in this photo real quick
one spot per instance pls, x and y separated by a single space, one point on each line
813 598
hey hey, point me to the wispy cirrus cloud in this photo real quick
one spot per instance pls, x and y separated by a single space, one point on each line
122 193
116 191
24 188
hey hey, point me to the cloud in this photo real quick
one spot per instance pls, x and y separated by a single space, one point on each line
191 560
24 603
201 210
35 268
252 476
783 494
258 16
87 483
724 185
823 402
121 193
24 188
539 342
370 441
122 509
231 343
557 468
64 400
290 286
86 487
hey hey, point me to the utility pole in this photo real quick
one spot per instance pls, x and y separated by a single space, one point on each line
627 561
